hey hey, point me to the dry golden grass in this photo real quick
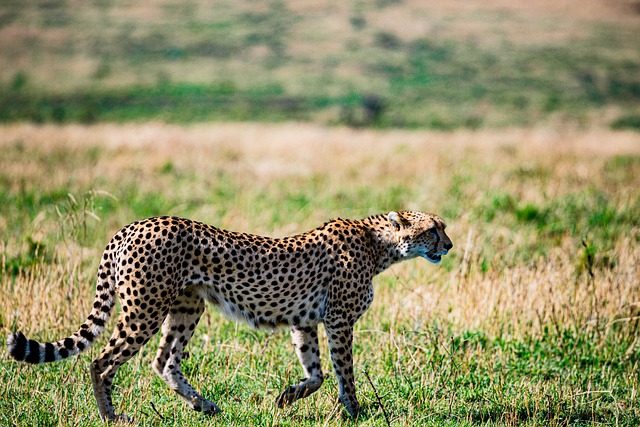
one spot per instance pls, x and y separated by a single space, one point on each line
520 323
259 157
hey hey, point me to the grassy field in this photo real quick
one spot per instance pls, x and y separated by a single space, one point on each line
531 320
385 63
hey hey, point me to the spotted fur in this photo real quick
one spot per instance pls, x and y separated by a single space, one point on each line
164 269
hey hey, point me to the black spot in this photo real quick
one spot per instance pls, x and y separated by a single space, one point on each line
68 343
20 346
34 352
49 354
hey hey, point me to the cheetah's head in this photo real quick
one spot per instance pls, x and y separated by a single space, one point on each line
420 234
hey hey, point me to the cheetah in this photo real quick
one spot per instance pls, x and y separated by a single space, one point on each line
164 269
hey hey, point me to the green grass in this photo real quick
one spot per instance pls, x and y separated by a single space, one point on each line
434 377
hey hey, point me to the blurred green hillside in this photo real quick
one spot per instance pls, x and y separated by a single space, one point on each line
384 63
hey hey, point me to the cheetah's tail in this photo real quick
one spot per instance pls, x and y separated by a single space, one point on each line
31 351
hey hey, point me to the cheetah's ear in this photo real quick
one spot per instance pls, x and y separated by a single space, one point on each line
397 220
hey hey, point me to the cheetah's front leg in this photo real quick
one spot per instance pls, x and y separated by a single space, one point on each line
340 336
305 340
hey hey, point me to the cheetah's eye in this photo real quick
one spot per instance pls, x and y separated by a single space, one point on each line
431 231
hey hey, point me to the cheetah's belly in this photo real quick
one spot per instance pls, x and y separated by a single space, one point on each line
266 309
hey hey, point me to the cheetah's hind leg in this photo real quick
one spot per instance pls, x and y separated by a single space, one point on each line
177 330
122 347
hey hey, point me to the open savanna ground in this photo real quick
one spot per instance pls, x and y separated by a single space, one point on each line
532 319
385 63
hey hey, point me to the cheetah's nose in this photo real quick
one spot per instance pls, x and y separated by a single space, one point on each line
448 246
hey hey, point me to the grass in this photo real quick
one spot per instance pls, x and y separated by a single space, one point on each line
381 64
531 320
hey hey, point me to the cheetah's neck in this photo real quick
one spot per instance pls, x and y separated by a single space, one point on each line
386 246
